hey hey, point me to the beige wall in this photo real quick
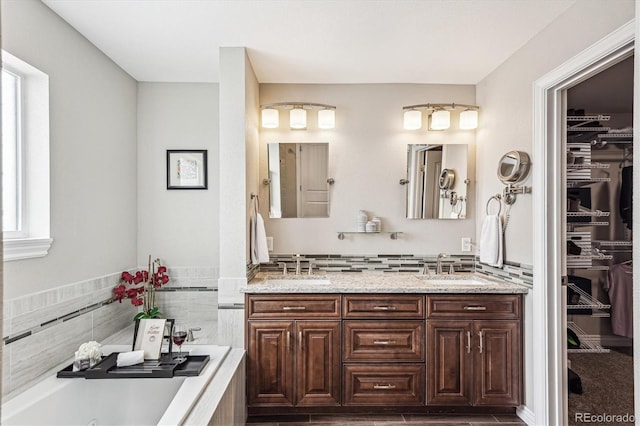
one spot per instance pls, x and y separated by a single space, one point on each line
92 148
506 99
179 226
367 159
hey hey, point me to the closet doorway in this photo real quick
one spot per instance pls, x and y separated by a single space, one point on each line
599 246
548 297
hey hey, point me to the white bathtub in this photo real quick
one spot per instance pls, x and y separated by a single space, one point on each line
79 401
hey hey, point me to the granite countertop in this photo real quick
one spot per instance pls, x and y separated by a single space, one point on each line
379 282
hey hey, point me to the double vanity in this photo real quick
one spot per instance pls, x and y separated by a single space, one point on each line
355 342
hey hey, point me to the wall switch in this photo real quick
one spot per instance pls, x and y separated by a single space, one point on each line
270 243
466 244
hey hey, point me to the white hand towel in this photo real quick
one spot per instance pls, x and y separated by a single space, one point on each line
257 237
126 359
262 251
491 241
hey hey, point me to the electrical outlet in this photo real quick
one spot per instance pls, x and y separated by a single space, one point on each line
270 243
466 244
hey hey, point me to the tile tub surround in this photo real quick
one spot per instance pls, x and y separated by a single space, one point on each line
43 329
183 408
378 282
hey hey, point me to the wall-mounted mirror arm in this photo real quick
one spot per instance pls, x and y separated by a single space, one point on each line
510 191
513 168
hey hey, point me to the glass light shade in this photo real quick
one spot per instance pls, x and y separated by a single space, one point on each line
270 118
327 118
469 119
298 118
440 120
412 119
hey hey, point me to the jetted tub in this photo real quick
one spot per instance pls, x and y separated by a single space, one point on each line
79 401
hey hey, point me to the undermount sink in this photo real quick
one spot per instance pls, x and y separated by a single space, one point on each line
454 279
298 281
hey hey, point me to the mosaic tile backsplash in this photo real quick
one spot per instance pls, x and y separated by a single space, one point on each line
511 271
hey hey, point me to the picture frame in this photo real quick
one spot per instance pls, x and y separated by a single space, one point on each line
187 169
149 335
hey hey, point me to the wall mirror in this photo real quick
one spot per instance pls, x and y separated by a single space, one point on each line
298 180
436 181
513 167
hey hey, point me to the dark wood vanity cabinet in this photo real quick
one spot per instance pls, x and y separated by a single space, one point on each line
383 350
291 361
472 359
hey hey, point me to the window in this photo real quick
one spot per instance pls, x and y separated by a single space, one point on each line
25 160
11 149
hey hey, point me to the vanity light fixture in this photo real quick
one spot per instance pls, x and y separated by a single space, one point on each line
440 116
298 114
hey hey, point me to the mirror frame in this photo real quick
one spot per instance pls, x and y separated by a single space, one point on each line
521 164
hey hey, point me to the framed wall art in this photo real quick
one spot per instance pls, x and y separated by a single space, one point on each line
186 169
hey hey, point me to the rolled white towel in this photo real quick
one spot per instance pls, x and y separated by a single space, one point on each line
126 359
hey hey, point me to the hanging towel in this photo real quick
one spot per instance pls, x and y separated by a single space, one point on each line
491 241
258 237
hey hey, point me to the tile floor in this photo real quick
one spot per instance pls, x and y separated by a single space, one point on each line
387 420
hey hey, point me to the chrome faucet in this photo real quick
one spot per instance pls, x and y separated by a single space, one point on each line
425 269
298 269
439 262
284 267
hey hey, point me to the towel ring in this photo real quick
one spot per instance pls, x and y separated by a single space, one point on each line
496 198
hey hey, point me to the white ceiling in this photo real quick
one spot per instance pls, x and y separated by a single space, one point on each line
312 41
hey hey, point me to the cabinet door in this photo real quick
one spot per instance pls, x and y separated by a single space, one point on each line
497 364
270 363
318 363
449 357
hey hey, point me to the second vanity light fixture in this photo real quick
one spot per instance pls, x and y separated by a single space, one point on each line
298 115
440 116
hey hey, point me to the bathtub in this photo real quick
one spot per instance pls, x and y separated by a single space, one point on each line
78 401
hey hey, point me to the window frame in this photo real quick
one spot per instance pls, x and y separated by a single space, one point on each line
34 239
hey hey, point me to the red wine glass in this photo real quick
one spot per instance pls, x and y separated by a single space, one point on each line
179 335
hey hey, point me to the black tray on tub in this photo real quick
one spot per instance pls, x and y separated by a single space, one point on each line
165 367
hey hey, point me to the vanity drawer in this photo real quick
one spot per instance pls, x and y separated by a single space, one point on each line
293 306
383 306
384 384
383 341
491 306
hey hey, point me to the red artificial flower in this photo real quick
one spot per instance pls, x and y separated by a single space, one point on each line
137 301
126 276
162 269
132 293
139 286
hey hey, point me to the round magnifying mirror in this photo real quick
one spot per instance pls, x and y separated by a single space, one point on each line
513 167
447 178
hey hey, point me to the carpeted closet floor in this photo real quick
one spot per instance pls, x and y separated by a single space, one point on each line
607 384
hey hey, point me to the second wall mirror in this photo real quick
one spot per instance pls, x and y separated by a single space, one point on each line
298 180
436 181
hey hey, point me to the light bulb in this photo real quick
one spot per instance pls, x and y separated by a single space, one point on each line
440 120
270 118
298 118
412 119
327 118
469 119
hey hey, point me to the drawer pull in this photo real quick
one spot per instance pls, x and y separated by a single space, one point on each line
384 308
383 387
475 308
480 338
294 308
384 342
